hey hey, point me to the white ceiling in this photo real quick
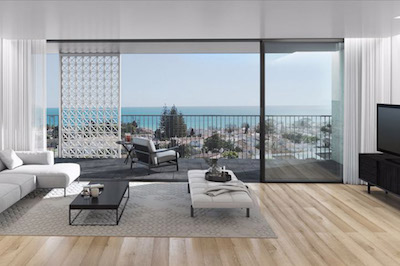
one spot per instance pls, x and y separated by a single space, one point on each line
197 19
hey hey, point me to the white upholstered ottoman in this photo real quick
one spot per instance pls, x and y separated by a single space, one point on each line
197 184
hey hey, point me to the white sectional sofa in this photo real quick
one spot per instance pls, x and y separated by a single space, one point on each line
38 171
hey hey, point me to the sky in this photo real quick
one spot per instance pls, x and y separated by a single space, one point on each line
152 80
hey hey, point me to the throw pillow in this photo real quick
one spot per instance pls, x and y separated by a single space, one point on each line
2 166
10 159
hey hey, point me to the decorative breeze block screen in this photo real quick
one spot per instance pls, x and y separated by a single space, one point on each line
90 106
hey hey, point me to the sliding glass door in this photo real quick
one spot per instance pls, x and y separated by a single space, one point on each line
303 111
200 97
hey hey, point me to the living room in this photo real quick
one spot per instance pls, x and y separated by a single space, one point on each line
199 132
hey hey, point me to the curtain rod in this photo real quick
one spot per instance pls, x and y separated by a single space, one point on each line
197 40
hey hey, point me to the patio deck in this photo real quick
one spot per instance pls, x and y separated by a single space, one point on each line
247 170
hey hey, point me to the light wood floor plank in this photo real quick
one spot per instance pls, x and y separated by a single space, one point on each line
160 255
28 251
95 251
194 251
46 251
127 252
15 250
78 251
111 251
177 252
227 252
210 251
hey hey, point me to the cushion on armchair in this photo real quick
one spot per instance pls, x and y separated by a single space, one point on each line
165 156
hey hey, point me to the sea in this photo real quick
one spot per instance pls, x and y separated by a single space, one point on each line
225 110
208 111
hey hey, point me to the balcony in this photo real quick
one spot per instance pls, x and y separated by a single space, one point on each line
296 145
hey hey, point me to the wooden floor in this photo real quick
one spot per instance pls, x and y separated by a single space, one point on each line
316 224
310 170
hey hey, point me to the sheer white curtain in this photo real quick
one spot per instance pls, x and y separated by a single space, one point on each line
367 82
23 94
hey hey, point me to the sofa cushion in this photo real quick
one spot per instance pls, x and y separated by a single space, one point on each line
26 183
50 176
9 194
2 166
10 159
36 157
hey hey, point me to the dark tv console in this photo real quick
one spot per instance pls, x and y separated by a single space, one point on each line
381 170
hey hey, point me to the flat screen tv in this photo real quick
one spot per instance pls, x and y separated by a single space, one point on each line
388 134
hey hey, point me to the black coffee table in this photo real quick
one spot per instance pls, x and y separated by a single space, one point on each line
110 199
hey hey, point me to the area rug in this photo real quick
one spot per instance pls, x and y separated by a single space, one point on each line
153 210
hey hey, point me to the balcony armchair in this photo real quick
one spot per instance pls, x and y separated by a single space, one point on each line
147 154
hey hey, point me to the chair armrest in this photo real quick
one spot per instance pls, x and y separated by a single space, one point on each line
142 152
36 157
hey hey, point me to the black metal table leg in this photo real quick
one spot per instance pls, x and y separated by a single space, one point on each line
129 153
123 208
70 216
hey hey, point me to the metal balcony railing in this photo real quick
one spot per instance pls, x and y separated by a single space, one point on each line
287 136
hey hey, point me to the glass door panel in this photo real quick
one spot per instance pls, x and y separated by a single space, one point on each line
304 111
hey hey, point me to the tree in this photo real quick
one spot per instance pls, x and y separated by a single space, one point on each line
269 127
294 137
55 133
246 127
129 128
303 123
230 154
310 139
172 124
326 129
230 128
215 142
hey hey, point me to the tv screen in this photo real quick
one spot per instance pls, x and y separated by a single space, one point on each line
388 138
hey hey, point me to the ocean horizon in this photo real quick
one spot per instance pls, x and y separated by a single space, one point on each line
225 110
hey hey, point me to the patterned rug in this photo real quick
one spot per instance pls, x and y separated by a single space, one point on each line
153 210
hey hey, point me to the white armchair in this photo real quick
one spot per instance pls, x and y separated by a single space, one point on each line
147 154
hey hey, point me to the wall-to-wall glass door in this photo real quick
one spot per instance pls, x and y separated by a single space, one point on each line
304 111
206 97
